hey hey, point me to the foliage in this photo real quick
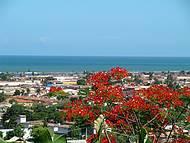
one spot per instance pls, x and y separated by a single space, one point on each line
22 92
41 134
5 76
18 132
44 135
141 118
10 117
1 134
55 89
36 112
84 91
38 90
57 92
2 97
17 92
2 141
81 82
50 113
27 91
75 131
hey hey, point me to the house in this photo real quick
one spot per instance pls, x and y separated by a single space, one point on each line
26 103
60 129
57 128
29 100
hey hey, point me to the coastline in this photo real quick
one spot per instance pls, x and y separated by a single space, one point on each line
81 63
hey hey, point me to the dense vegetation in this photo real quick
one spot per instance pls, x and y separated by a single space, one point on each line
36 112
2 97
143 117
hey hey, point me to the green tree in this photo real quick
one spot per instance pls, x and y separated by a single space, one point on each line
151 75
41 112
156 81
2 97
18 132
17 92
27 91
22 92
60 97
1 134
81 82
42 134
9 119
9 135
84 91
38 90
171 82
5 76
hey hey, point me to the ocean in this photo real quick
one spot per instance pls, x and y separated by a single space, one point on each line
70 64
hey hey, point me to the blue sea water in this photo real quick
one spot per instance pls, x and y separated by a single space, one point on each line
65 64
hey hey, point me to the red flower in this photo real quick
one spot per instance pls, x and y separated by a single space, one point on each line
111 138
55 89
188 119
137 103
155 105
91 138
185 91
98 79
162 95
180 140
118 73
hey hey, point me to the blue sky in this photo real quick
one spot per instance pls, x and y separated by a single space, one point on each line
95 27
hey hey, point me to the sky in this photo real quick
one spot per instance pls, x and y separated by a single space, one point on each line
95 27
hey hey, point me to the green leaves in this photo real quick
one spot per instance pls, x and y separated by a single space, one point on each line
143 137
2 141
58 139
45 135
41 134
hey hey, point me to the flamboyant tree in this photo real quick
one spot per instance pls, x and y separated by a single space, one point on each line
143 117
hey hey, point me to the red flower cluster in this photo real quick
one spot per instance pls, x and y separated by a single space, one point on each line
180 140
103 139
91 138
77 109
185 91
106 94
159 113
106 140
162 95
137 103
102 78
188 118
118 73
154 107
55 89
98 79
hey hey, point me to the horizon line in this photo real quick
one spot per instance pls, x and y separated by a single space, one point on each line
99 56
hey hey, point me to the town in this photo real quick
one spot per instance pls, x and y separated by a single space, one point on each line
30 100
